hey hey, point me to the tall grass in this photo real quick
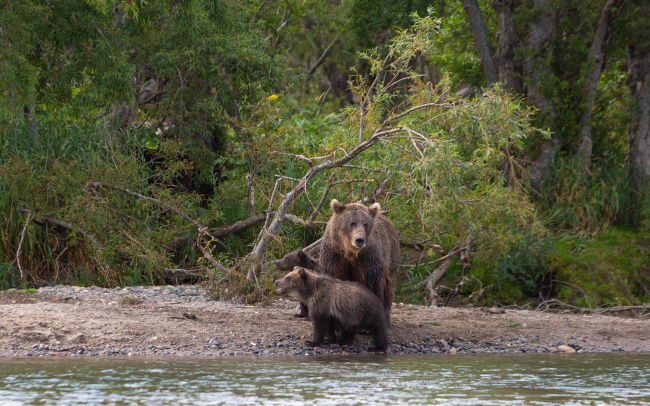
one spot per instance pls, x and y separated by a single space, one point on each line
570 200
56 230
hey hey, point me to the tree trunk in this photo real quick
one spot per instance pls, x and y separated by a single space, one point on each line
509 69
539 74
537 65
597 59
481 40
638 79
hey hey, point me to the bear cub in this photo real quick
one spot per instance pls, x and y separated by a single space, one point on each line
337 305
298 258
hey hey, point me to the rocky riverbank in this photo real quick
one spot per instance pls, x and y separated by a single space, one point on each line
183 321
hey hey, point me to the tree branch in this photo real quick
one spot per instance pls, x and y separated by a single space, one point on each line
206 254
481 40
317 64
19 251
65 225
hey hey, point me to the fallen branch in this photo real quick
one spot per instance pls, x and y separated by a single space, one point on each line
43 220
98 185
260 247
447 261
184 272
312 247
206 254
459 286
554 304
19 251
94 186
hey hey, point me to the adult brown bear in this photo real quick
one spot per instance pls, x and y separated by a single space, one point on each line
337 307
360 245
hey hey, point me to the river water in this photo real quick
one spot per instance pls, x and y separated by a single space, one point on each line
571 379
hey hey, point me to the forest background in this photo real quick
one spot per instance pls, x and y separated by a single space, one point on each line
146 142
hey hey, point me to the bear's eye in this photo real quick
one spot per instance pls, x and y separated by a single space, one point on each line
365 225
353 224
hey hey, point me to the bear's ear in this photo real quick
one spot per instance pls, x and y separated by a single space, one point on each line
336 206
302 273
374 209
301 253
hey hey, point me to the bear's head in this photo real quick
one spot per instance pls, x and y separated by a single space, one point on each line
295 284
295 258
353 223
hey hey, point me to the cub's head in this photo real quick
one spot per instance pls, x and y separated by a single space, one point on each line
295 284
293 259
353 223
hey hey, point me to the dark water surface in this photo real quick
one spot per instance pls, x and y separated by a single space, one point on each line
573 379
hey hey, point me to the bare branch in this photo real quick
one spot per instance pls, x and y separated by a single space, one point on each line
394 82
19 251
320 204
206 254
65 225
317 64
416 108
366 98
92 186
555 304
434 275
312 247
250 195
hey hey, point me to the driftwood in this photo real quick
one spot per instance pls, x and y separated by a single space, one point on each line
440 271
186 272
555 305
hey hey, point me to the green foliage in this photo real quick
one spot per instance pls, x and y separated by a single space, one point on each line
106 236
571 201
456 55
139 105
608 269
202 57
443 168
519 274
374 22
645 209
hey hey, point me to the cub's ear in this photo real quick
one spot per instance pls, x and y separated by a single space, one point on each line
374 209
336 206
301 254
302 273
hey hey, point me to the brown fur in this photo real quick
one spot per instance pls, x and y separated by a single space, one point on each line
335 304
360 244
298 258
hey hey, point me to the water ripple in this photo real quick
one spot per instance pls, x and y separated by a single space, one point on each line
352 380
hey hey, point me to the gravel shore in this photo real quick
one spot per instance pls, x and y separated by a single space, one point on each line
182 320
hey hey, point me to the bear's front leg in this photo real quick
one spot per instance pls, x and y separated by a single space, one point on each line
321 329
347 336
304 312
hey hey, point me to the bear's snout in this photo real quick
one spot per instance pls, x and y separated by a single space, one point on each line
359 241
279 288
